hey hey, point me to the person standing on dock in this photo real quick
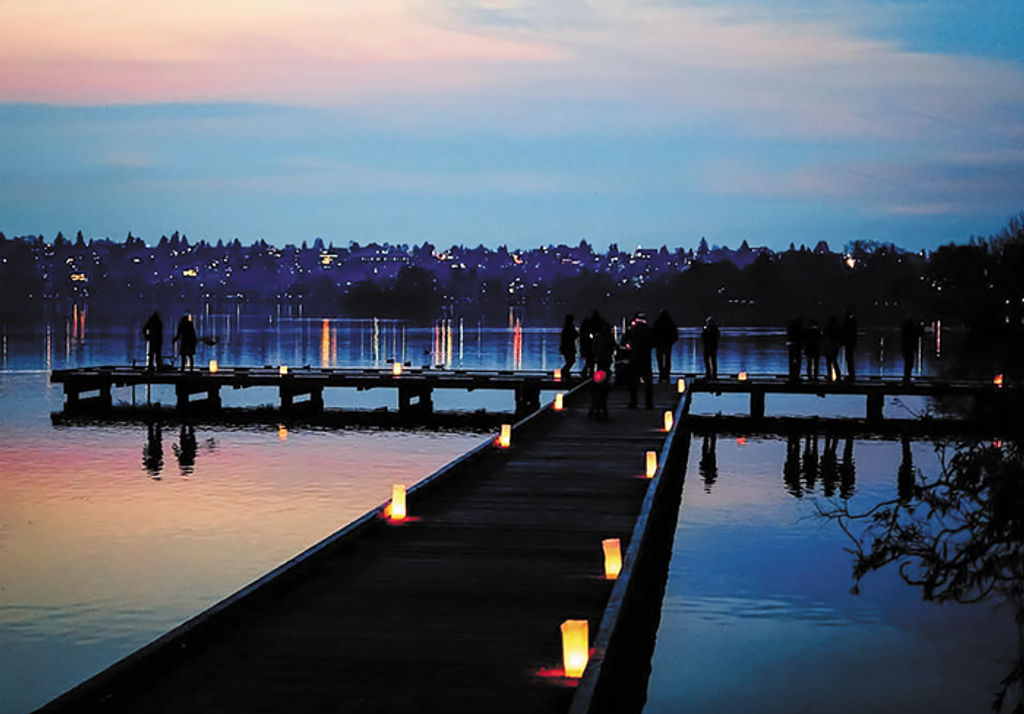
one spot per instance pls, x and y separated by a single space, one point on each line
153 334
812 348
795 346
666 333
710 337
832 342
850 343
910 335
567 345
187 341
639 339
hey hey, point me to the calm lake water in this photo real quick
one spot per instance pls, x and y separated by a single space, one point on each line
111 534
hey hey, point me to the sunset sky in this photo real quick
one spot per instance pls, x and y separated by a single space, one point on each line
521 123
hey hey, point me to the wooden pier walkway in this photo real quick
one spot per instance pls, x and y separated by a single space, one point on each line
91 388
457 609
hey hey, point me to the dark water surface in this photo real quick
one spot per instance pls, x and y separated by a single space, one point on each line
111 534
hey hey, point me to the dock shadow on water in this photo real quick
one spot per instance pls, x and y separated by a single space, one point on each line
819 573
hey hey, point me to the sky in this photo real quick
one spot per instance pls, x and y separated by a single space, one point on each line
513 122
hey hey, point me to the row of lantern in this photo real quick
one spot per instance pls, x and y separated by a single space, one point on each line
575 633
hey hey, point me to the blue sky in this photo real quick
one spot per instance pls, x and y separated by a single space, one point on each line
518 123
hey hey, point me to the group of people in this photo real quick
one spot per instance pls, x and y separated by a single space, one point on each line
813 342
631 356
185 337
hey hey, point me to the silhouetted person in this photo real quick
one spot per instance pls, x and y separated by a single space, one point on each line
599 388
588 331
186 449
791 468
812 348
850 343
795 346
710 336
847 471
187 341
910 335
831 343
153 451
666 333
906 476
708 465
604 345
567 345
639 339
153 334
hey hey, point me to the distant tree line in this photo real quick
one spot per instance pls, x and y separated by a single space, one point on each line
978 285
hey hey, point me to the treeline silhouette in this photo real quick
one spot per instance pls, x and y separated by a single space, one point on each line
978 285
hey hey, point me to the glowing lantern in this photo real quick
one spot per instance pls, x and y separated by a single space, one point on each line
681 385
559 405
575 647
741 440
668 421
505 439
612 558
742 376
398 502
558 375
282 432
652 463
283 369
213 366
998 381
396 369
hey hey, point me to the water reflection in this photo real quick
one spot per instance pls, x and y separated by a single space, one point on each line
958 537
185 450
708 465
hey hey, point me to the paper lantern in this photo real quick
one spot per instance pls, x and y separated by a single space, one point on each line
558 375
398 511
575 647
668 421
505 439
998 381
282 432
652 463
612 558
559 405
213 366
283 369
396 369
742 376
681 385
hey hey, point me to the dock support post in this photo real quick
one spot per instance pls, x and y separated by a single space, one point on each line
875 402
757 404
423 404
527 399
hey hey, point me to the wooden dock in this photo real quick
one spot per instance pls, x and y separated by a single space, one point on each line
91 388
458 608
999 395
